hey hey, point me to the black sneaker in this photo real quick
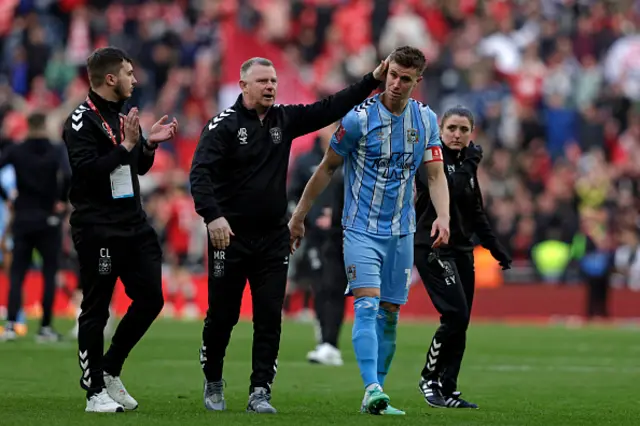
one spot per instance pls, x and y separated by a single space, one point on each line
432 392
454 401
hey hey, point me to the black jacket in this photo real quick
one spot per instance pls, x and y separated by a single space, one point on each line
93 156
466 209
303 168
42 180
239 169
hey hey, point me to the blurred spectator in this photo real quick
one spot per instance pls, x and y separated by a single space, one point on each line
593 250
627 258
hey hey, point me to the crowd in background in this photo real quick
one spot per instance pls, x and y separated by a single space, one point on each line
554 85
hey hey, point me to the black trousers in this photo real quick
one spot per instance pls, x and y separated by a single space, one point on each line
310 263
450 282
137 260
47 242
597 297
263 259
307 267
329 290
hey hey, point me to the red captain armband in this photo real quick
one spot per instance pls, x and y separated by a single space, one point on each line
340 133
433 154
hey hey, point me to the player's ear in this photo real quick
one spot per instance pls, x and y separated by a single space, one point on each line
419 79
242 84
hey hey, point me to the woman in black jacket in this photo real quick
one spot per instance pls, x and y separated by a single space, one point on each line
448 272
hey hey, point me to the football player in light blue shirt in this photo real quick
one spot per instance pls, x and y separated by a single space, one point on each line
381 143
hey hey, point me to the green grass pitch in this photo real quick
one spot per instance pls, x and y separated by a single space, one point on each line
519 375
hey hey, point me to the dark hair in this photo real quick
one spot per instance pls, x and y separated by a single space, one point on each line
458 110
409 57
37 121
244 69
103 61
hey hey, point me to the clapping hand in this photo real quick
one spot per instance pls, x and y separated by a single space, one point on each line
162 131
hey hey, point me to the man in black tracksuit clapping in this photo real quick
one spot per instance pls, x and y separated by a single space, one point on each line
109 227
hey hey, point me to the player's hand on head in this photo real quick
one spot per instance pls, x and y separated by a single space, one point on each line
220 233
296 230
440 230
380 73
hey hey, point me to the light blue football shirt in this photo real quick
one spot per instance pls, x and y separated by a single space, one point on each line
382 154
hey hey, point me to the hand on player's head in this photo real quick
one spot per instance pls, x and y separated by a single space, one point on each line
380 73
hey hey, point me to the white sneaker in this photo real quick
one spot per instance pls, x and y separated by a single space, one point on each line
117 391
103 403
326 354
8 335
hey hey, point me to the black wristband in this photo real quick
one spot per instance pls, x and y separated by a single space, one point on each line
150 146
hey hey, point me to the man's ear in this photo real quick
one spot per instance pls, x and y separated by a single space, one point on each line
242 84
110 80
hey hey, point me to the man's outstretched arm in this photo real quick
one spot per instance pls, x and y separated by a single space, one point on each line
304 119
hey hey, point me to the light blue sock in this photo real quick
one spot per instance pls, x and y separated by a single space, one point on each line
386 326
365 341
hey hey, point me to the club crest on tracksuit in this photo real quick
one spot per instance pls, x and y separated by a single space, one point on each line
276 135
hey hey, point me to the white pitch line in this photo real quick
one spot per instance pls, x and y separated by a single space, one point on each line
507 368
